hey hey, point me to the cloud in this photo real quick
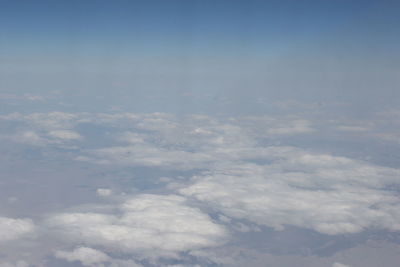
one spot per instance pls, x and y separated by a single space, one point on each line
196 142
337 264
29 97
38 138
147 155
19 263
87 256
283 188
131 137
290 127
147 226
43 129
12 229
331 195
244 179
104 192
65 135
28 137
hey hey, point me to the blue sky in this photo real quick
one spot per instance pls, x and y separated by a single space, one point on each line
275 48
59 26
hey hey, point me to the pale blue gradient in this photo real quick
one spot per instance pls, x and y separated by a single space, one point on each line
127 51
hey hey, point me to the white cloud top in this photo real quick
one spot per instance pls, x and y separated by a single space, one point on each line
65 135
87 256
12 229
148 225
104 192
331 195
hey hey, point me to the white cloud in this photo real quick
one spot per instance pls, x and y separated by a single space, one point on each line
54 128
193 142
52 120
22 97
104 192
331 195
12 229
337 264
147 155
87 256
291 127
29 137
131 137
65 135
149 226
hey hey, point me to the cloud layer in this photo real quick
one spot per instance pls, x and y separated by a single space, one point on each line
240 175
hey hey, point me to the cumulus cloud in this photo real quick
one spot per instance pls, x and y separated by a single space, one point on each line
40 138
195 142
12 229
104 192
28 137
131 137
43 129
52 120
148 226
331 195
87 256
65 135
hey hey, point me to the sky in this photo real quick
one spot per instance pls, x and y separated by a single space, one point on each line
199 133
279 50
